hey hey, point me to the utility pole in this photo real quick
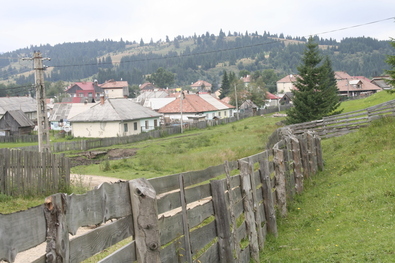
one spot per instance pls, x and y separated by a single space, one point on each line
237 106
42 117
181 98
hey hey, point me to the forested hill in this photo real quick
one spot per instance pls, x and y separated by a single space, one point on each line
190 58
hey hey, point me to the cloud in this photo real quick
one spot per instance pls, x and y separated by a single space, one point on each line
26 22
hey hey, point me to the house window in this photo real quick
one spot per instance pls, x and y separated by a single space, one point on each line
146 125
219 114
225 113
125 127
155 123
135 126
90 94
81 95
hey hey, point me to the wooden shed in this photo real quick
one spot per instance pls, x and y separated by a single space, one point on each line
15 122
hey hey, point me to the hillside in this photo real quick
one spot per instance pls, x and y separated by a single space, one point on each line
189 58
345 213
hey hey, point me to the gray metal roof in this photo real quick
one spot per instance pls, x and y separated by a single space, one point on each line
25 104
66 111
115 110
20 118
213 101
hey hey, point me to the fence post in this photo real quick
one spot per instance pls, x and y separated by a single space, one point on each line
311 152
222 221
297 165
245 178
279 167
145 220
304 155
57 250
320 160
236 246
268 201
289 172
188 254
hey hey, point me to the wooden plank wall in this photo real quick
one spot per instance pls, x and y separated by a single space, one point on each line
220 214
32 173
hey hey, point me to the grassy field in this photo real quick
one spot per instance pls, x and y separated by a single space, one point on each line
346 213
193 150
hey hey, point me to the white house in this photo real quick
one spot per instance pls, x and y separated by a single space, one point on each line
114 117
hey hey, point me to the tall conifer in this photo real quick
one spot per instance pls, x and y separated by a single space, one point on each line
316 91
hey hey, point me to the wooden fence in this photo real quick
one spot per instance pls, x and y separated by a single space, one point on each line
341 124
220 214
32 173
18 138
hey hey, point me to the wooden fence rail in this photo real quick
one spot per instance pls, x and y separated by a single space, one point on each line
220 214
32 173
341 124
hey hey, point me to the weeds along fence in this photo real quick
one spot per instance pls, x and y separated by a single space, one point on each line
220 214
341 124
32 173
84 145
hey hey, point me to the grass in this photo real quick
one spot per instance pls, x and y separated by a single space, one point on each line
193 150
346 212
378 98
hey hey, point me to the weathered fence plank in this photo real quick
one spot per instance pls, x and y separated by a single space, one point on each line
126 254
222 221
280 180
21 231
100 238
98 206
245 174
187 252
145 220
267 193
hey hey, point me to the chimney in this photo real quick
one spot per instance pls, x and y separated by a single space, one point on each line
101 99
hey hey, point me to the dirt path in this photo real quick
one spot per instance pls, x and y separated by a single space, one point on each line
90 181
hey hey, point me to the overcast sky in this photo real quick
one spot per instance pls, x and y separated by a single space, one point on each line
26 22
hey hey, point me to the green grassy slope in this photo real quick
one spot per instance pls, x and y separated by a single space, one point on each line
347 212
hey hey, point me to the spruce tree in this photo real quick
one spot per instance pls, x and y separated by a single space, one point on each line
391 72
315 95
225 86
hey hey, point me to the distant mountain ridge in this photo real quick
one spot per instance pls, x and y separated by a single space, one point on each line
191 58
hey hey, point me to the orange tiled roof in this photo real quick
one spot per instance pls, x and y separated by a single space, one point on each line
192 103
199 83
111 84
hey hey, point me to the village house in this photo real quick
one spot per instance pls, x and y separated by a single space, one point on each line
201 85
147 86
115 89
15 122
246 80
84 91
348 86
61 113
112 118
195 106
27 105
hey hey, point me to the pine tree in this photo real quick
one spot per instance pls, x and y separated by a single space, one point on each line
225 86
315 95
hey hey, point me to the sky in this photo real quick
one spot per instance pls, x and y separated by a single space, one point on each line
25 22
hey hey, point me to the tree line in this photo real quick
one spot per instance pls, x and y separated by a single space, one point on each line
205 58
